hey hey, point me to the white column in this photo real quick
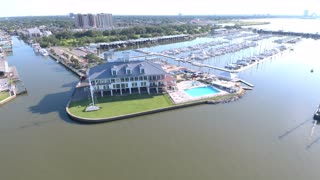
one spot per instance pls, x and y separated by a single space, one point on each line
111 92
101 93
121 92
148 88
130 90
157 90
139 89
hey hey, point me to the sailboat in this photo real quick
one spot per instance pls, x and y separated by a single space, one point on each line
92 106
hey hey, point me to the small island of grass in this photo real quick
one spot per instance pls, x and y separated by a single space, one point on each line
4 95
120 105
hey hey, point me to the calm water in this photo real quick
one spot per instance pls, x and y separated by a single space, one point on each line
266 135
294 25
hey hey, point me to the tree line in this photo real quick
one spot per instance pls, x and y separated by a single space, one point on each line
81 38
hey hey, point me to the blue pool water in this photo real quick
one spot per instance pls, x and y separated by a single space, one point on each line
201 91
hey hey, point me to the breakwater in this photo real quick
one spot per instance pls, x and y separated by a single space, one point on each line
142 41
288 33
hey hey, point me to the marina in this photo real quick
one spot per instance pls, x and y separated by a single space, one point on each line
205 52
274 120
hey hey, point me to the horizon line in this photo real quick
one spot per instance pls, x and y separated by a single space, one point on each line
290 15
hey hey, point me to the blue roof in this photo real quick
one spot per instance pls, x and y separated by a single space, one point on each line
104 70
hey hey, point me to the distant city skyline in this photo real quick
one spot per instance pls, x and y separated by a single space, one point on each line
160 7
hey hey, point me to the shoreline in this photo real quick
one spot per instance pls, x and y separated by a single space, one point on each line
222 99
8 99
61 61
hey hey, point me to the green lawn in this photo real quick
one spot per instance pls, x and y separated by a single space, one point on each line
4 95
120 105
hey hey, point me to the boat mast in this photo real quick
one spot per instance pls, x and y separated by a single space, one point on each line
91 88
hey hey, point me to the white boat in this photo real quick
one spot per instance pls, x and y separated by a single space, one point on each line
36 47
43 52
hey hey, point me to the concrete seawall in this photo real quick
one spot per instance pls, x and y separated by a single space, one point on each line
7 99
109 119
61 61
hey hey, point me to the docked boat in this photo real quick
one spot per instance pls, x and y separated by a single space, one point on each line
36 47
316 115
43 52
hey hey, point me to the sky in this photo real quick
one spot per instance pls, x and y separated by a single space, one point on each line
10 8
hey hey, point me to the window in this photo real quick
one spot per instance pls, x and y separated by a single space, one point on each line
131 79
162 76
145 77
122 79
128 71
127 79
114 72
141 67
113 80
153 84
143 84
141 78
136 78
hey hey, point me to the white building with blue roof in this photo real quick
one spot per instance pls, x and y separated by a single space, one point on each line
127 77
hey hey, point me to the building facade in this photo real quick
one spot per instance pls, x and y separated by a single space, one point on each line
104 21
100 21
129 77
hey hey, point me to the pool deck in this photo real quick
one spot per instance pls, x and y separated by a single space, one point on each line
180 96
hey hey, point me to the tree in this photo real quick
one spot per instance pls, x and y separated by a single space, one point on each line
106 33
92 57
113 32
64 35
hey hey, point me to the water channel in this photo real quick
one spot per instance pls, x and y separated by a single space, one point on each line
265 135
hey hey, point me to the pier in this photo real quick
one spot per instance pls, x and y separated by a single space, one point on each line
288 33
246 83
184 60
200 64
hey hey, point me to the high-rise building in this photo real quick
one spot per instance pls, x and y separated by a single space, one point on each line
71 15
92 20
104 21
85 21
100 21
82 21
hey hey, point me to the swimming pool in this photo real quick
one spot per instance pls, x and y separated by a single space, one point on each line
201 91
